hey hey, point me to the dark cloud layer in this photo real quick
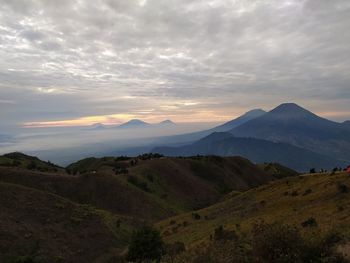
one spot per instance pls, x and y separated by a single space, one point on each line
214 59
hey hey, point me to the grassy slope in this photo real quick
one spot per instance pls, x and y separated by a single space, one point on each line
277 170
102 191
192 183
164 186
288 201
21 160
182 184
49 228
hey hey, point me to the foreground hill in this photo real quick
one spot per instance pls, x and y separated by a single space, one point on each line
37 226
17 159
292 124
258 151
181 183
316 202
164 186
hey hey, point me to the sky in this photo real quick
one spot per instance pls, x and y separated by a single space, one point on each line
66 62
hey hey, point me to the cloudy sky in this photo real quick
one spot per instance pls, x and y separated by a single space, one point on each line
78 62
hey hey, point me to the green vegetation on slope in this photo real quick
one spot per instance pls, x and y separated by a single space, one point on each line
277 170
17 159
319 201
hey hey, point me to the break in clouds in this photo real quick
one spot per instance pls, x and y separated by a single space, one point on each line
178 59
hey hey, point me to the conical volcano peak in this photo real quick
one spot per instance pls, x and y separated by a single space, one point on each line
289 109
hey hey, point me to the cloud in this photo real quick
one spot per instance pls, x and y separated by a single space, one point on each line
66 60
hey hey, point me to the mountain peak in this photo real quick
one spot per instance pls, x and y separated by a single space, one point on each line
290 109
97 125
167 122
134 123
289 106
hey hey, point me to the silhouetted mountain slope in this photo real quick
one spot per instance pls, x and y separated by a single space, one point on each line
292 124
194 136
259 151
250 115
346 124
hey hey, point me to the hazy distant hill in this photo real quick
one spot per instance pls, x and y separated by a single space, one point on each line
134 124
292 124
257 150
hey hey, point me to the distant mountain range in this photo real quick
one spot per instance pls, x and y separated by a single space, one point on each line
132 124
288 134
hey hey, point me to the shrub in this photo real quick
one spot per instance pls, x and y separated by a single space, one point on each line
32 165
24 259
221 234
196 216
310 222
135 181
283 244
295 193
174 249
146 245
276 243
343 188
307 191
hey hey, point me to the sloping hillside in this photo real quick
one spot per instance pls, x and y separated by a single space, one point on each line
189 183
311 202
100 190
36 226
277 170
181 183
164 186
17 159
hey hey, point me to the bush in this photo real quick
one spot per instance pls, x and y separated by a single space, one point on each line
32 165
276 243
146 245
310 222
343 188
174 249
307 191
24 259
221 234
196 216
142 185
283 244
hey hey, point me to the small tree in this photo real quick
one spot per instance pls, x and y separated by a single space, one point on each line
146 246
